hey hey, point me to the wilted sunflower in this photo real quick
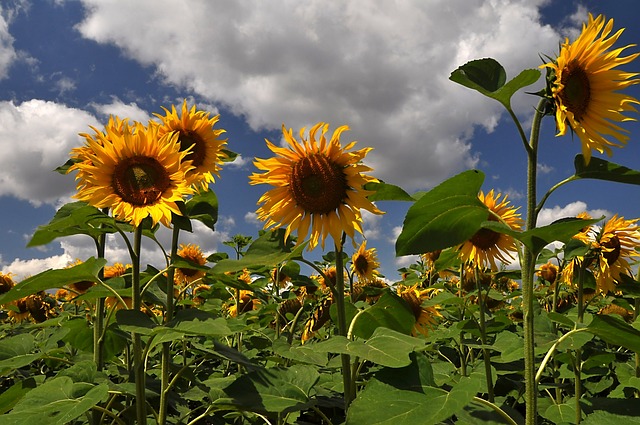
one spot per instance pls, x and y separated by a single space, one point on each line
616 244
192 253
198 136
487 246
364 263
136 174
318 186
426 317
548 272
585 87
6 283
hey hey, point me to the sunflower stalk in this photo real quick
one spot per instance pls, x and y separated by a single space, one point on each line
166 346
342 326
483 337
138 366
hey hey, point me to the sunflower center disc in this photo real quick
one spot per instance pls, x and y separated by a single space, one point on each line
191 139
140 180
317 184
362 264
614 245
485 238
576 93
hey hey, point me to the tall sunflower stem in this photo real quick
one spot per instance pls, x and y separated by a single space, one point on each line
98 319
138 366
342 326
483 338
166 346
528 269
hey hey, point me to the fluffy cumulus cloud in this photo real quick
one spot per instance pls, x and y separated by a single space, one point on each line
380 67
549 215
7 52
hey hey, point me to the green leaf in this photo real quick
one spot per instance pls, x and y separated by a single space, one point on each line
272 390
85 271
135 321
561 413
414 377
268 250
390 311
488 77
605 170
445 216
606 418
537 238
510 345
561 319
300 353
76 218
56 402
16 352
387 192
11 396
615 331
203 206
382 404
197 322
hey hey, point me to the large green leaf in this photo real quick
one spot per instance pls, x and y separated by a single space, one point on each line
197 322
390 311
488 77
268 250
76 218
382 404
203 206
606 418
11 396
605 170
16 352
56 402
272 390
615 331
561 413
445 216
48 279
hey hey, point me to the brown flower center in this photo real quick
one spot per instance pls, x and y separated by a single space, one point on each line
485 239
140 180
612 252
318 185
191 139
576 91
361 264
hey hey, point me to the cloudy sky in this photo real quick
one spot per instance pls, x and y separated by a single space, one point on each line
380 67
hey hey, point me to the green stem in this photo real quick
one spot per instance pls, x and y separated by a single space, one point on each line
138 367
342 327
528 266
578 359
166 346
483 338
501 412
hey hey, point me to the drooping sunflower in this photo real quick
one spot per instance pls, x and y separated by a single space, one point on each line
426 316
585 87
364 263
198 136
616 245
136 174
318 186
487 246
192 253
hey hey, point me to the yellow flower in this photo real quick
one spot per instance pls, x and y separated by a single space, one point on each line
192 253
318 186
487 246
548 272
6 283
197 135
82 286
117 270
135 173
426 317
585 87
616 245
364 263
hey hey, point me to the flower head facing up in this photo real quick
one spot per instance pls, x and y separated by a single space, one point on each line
487 246
585 88
616 245
364 263
318 186
135 173
198 137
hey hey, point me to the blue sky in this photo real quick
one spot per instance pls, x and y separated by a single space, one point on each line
380 67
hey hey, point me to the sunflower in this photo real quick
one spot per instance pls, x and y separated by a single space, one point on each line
82 286
192 253
585 85
616 245
364 263
135 173
318 186
548 272
197 136
6 283
426 317
487 246
116 270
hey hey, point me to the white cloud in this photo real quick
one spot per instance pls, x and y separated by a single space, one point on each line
549 215
380 67
252 218
7 52
123 110
37 137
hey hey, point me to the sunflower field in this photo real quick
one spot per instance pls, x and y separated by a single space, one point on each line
269 336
